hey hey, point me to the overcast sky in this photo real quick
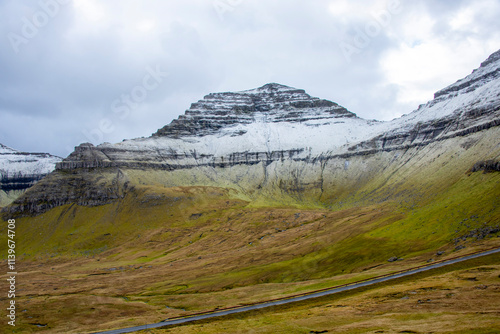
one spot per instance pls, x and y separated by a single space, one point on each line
74 71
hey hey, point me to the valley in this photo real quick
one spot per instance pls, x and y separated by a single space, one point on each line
266 193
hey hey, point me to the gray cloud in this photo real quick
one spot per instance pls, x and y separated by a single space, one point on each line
66 83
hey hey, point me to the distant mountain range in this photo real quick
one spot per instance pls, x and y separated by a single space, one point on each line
20 170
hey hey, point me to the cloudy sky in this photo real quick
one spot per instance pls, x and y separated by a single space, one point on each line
74 71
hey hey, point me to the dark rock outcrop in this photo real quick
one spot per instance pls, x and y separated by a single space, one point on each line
82 188
486 166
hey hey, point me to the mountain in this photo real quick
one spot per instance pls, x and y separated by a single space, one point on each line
285 131
267 122
19 171
229 128
258 194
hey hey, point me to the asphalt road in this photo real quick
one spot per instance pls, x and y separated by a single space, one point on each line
296 299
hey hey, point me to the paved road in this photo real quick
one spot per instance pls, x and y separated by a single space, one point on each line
296 299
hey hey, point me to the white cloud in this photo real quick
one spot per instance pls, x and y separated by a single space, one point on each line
463 19
359 9
89 10
146 25
466 18
418 70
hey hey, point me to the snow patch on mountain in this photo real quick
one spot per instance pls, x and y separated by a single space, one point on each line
317 136
14 163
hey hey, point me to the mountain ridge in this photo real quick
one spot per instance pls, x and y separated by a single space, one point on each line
259 121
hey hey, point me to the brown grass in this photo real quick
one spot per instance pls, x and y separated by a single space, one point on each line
126 289
463 300
164 252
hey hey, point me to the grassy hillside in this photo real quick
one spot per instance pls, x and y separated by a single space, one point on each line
458 299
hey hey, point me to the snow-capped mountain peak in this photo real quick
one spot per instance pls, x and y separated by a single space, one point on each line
270 88
271 103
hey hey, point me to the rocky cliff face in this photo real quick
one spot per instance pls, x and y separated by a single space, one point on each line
280 138
20 171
